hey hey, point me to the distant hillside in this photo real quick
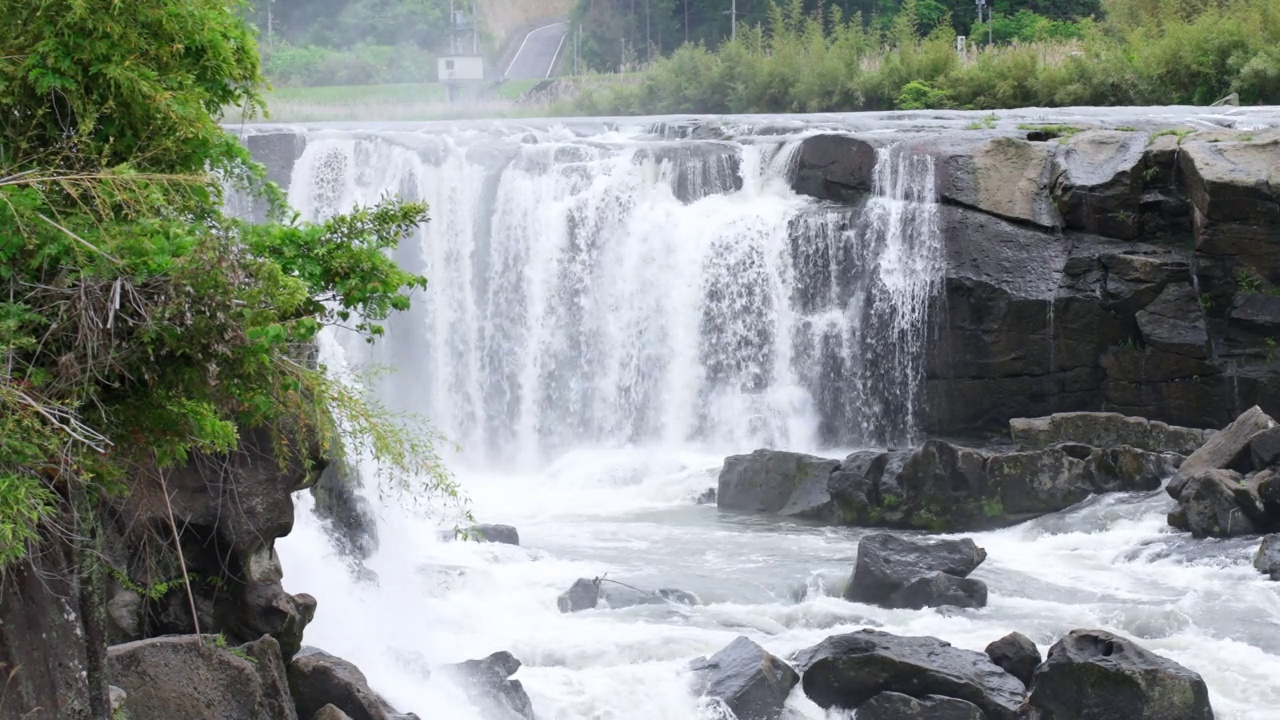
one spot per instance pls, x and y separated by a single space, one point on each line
502 17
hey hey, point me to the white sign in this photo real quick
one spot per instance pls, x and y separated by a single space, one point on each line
460 67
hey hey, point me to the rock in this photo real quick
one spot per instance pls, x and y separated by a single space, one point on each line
937 590
489 686
835 167
887 563
751 682
1016 654
118 697
1041 481
846 671
1105 430
771 481
317 678
1175 323
1097 182
186 676
124 610
330 712
1095 675
1006 177
1267 559
942 487
268 610
1264 448
1227 449
707 497
504 534
1210 505
896 706
348 515
584 594
697 169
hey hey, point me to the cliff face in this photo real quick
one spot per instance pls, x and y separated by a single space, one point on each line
1108 270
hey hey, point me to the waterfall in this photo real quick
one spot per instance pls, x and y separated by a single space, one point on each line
626 288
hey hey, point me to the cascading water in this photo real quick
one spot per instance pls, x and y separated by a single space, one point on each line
609 314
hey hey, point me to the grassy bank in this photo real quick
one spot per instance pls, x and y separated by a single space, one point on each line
1193 52
416 101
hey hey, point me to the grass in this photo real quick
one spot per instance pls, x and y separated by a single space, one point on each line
1049 132
416 101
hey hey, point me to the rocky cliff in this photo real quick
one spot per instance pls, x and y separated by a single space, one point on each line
1091 269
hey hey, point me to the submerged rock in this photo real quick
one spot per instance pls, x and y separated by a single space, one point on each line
751 682
846 671
1095 675
584 594
895 572
897 706
1267 559
587 594
488 684
503 534
1016 654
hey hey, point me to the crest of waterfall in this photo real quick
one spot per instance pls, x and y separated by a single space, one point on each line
624 289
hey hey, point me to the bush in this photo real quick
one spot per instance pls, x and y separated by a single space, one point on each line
315 66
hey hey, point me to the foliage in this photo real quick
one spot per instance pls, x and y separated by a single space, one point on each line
317 65
1169 53
138 322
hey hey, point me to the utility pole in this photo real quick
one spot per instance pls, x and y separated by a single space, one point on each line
453 28
475 30
270 38
734 14
686 21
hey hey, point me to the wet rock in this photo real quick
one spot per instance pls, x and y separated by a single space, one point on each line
697 169
887 564
1095 675
846 671
584 594
587 594
1042 481
268 610
1210 505
317 678
1016 654
772 481
1227 449
707 497
1106 430
124 610
186 676
1006 177
751 682
1264 448
938 590
897 706
489 686
1267 559
835 167
504 534
1174 323
942 487
348 514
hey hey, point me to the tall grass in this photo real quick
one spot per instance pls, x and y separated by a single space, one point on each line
1145 52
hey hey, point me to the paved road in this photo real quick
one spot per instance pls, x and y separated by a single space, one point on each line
537 55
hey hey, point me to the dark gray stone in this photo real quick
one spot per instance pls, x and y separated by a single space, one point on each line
1095 675
347 513
772 481
937 590
1227 449
1174 323
588 594
848 670
1211 506
887 563
1098 180
751 682
1016 654
835 167
488 684
330 712
584 594
1264 448
504 534
1267 559
317 678
896 706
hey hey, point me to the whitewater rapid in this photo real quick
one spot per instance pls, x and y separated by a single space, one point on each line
608 317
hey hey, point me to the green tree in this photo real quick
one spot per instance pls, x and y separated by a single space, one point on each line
138 321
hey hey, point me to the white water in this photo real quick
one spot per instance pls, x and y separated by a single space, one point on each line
608 317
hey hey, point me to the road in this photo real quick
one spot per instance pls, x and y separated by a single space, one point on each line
536 58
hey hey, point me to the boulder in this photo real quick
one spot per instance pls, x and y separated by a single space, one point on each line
489 686
896 706
706 497
773 481
835 167
117 697
846 671
587 594
317 678
330 712
942 487
1174 323
937 590
887 564
1016 654
1227 449
747 679
1210 504
124 611
1042 481
348 514
1105 430
1264 448
1267 559
504 534
266 609
190 677
1095 675
1003 176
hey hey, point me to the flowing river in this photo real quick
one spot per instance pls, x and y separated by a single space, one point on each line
614 308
